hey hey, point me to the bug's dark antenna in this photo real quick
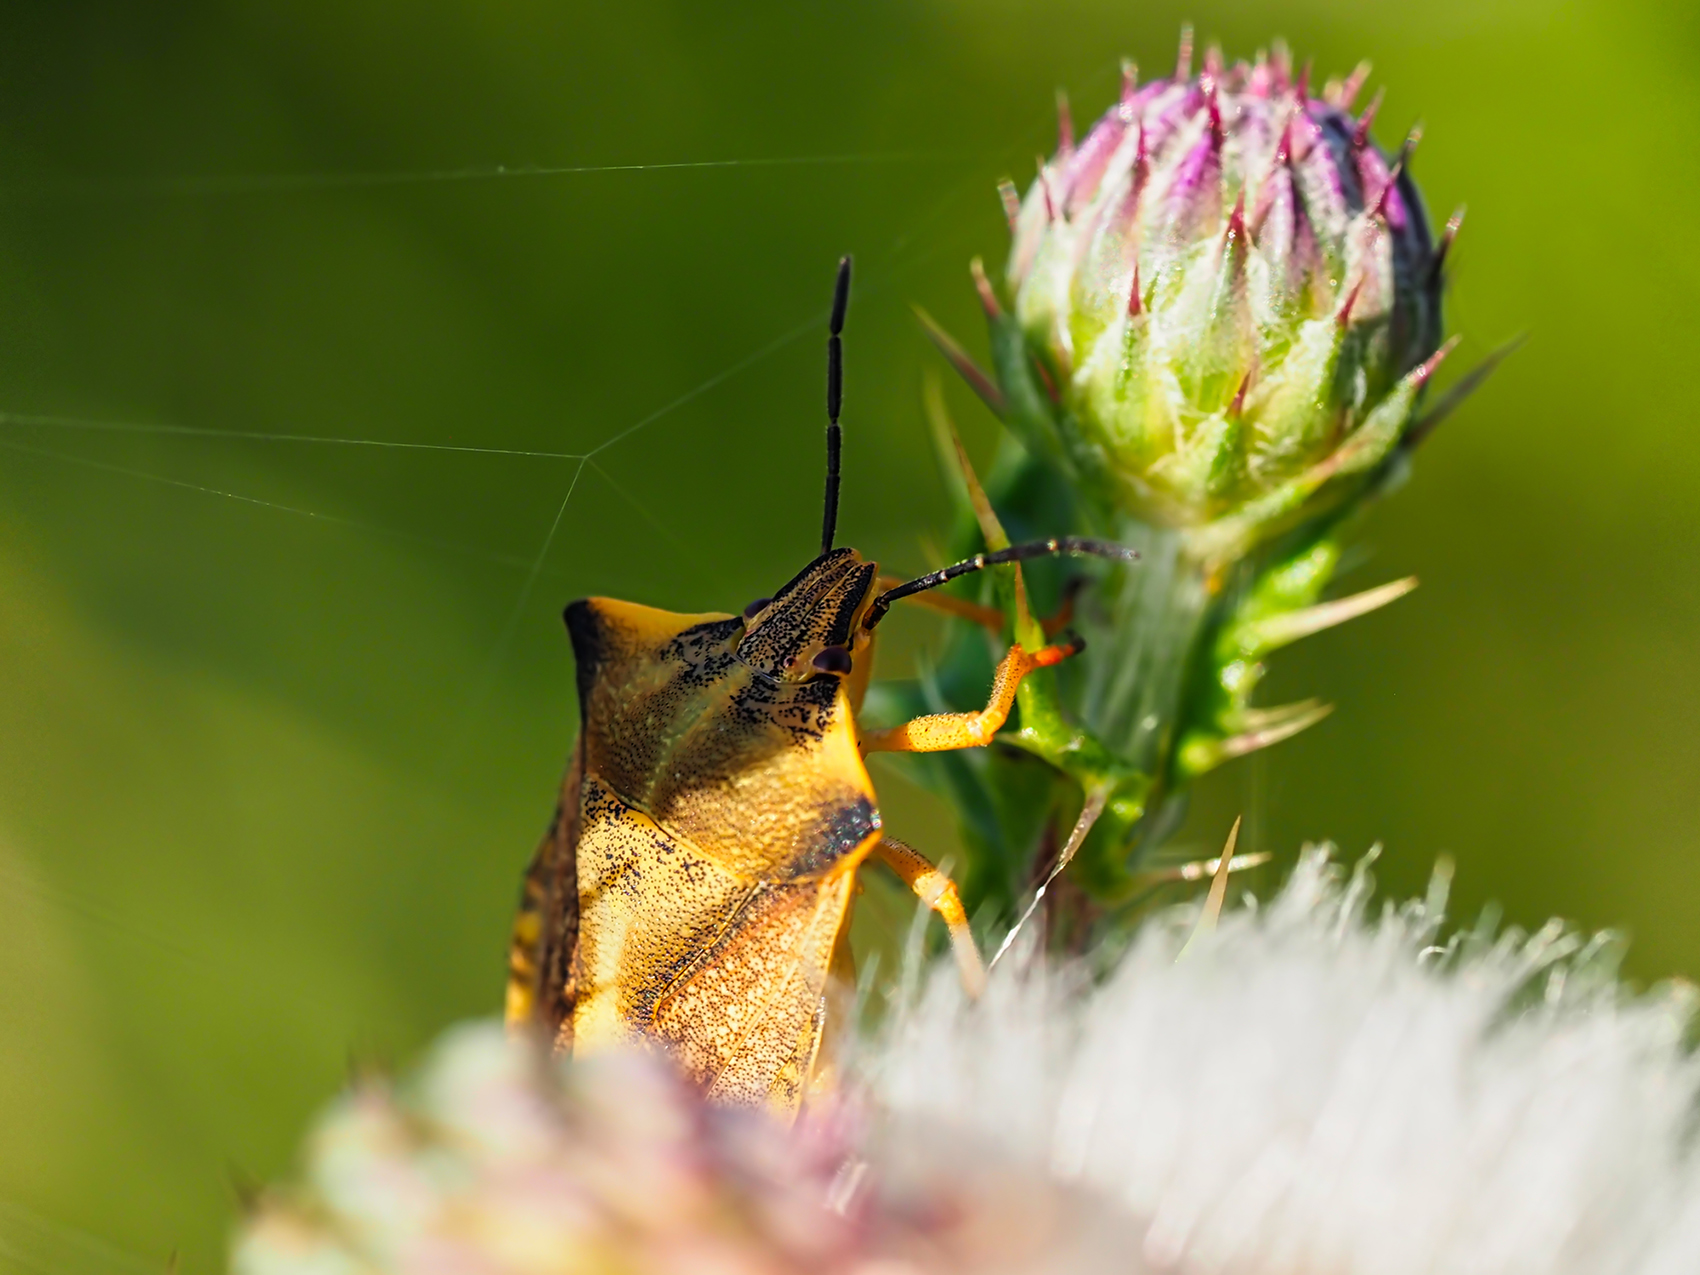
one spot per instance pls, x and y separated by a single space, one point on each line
980 561
834 400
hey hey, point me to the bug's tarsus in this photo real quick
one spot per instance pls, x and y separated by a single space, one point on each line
1085 545
834 400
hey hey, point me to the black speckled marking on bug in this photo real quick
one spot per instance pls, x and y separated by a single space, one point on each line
704 649
589 641
803 709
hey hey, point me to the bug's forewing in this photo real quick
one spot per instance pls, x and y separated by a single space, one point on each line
747 1021
722 815
542 986
650 904
728 973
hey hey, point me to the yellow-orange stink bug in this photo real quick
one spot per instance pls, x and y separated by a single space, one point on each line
695 885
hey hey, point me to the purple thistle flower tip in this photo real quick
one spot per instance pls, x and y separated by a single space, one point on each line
1226 242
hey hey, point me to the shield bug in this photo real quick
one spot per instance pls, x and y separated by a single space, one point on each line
694 888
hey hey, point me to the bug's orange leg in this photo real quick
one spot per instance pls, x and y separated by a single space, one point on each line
942 732
1056 623
990 617
938 892
961 608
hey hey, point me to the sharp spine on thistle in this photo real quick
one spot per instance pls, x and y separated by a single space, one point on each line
1444 247
983 285
1288 627
1366 121
1011 200
1065 127
1354 84
1236 409
1282 159
978 380
1379 208
1456 393
1344 317
1431 364
1236 221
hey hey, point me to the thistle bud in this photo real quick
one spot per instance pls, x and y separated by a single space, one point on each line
1227 300
1226 304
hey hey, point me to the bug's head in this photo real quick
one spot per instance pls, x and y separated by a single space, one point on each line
813 626
822 622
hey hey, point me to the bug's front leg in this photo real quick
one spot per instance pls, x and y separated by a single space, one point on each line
938 892
943 732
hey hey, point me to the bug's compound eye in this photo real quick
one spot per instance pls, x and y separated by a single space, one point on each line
832 659
756 608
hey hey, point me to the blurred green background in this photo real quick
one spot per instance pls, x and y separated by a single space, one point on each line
281 721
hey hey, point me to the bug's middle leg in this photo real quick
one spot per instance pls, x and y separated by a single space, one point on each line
943 732
938 892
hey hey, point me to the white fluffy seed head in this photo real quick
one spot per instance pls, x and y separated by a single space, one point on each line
1310 1089
1316 1090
